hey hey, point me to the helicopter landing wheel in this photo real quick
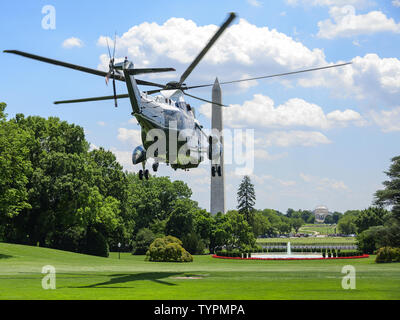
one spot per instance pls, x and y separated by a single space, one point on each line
219 171
213 171
146 174
155 166
140 174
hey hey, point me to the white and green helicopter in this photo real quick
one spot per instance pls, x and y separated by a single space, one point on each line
168 124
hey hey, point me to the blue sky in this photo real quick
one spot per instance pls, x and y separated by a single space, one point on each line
322 138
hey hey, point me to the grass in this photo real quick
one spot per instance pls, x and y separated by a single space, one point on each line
86 277
318 228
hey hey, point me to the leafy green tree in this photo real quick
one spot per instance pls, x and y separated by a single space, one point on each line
246 199
261 225
142 241
347 224
297 223
15 169
154 199
219 232
373 216
239 231
181 220
328 220
390 196
290 212
336 217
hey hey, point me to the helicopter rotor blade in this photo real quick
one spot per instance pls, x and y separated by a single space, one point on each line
201 99
148 83
120 96
62 64
153 91
225 25
80 68
271 76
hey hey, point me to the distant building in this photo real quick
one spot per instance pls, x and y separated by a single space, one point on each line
320 213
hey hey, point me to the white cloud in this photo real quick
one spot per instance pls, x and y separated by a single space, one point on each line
151 44
396 3
254 3
388 120
133 136
124 158
265 155
356 3
93 147
345 23
101 123
323 183
261 112
293 138
369 77
72 42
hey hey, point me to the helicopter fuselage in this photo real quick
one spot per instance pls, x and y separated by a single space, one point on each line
168 120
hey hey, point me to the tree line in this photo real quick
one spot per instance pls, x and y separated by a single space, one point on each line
55 192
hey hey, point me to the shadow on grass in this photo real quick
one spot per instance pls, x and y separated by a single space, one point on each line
5 256
124 278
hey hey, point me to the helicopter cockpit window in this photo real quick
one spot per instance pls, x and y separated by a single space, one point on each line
181 105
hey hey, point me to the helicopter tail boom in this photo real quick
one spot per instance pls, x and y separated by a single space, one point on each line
133 90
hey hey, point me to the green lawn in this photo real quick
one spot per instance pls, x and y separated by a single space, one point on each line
87 277
318 228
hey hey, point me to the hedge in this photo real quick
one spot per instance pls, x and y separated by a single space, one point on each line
387 254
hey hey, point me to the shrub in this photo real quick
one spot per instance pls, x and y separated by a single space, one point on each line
72 239
388 254
96 244
168 249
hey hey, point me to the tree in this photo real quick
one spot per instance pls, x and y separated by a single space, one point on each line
15 169
142 241
297 223
181 221
336 217
373 216
261 224
246 199
390 196
239 232
347 225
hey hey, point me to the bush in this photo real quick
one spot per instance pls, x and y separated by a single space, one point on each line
388 254
96 244
142 241
193 243
168 249
72 239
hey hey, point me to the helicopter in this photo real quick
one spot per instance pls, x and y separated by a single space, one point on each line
170 132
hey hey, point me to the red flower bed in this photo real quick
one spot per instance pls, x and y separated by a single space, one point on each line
238 258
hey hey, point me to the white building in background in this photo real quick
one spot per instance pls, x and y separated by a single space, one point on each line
321 212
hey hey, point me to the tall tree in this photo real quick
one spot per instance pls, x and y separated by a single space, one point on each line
246 197
15 169
390 196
